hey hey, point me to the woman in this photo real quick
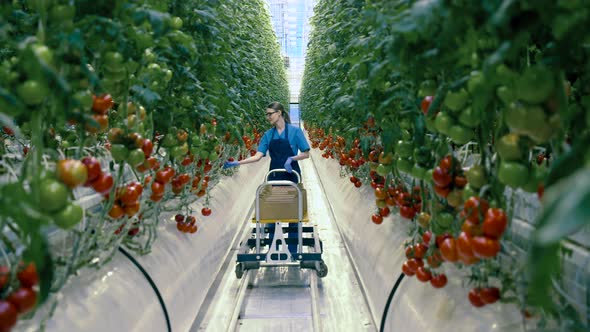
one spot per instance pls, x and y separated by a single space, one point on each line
282 142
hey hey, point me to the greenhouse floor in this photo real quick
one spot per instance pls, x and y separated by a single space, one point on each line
281 297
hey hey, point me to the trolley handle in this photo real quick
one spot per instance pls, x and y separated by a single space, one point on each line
277 170
280 183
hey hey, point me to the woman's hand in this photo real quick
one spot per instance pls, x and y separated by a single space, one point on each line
288 166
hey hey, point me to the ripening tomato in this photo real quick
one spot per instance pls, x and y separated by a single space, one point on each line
101 104
439 280
441 177
23 299
28 276
423 274
129 195
116 211
494 223
435 260
448 250
485 247
425 104
132 209
442 191
71 172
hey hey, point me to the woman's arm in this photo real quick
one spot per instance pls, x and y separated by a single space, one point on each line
252 159
301 156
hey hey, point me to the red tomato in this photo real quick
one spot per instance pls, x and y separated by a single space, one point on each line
103 183
8 315
475 298
130 195
441 177
425 104
464 245
92 168
435 260
419 250
384 211
442 191
460 181
407 212
439 281
494 223
71 172
426 237
377 219
446 163
23 299
28 276
489 295
475 207
448 250
380 193
206 211
471 228
407 270
414 263
147 147
423 274
485 247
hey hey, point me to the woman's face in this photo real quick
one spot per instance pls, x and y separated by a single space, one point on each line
272 116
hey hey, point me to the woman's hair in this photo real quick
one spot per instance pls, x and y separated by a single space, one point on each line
279 107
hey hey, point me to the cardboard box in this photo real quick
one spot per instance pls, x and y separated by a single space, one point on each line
281 203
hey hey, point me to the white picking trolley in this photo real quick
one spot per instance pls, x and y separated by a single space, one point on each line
259 250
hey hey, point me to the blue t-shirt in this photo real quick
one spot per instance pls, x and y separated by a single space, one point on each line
296 139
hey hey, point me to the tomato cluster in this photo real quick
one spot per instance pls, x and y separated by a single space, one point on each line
414 265
127 201
479 297
185 224
21 299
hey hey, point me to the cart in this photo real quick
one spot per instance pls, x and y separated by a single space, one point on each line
258 250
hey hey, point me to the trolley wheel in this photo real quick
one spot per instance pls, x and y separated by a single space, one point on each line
239 270
322 269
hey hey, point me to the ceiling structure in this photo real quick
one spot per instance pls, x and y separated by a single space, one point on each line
290 19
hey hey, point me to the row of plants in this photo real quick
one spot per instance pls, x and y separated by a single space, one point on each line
117 115
450 110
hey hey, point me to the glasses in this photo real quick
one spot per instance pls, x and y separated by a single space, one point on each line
268 114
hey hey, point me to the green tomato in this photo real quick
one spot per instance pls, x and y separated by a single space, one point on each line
113 59
404 165
505 75
84 97
430 124
176 23
537 126
476 81
69 216
456 100
404 149
460 134
383 170
169 140
62 13
470 118
135 157
515 116
213 156
513 174
508 147
418 171
468 191
32 92
427 88
54 195
476 176
445 219
535 85
505 94
119 152
443 123
43 53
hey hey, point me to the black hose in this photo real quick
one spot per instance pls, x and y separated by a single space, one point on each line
391 294
154 287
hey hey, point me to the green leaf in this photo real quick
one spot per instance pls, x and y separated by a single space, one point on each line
568 162
146 96
566 208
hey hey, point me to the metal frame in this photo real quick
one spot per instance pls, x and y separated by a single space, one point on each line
282 256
